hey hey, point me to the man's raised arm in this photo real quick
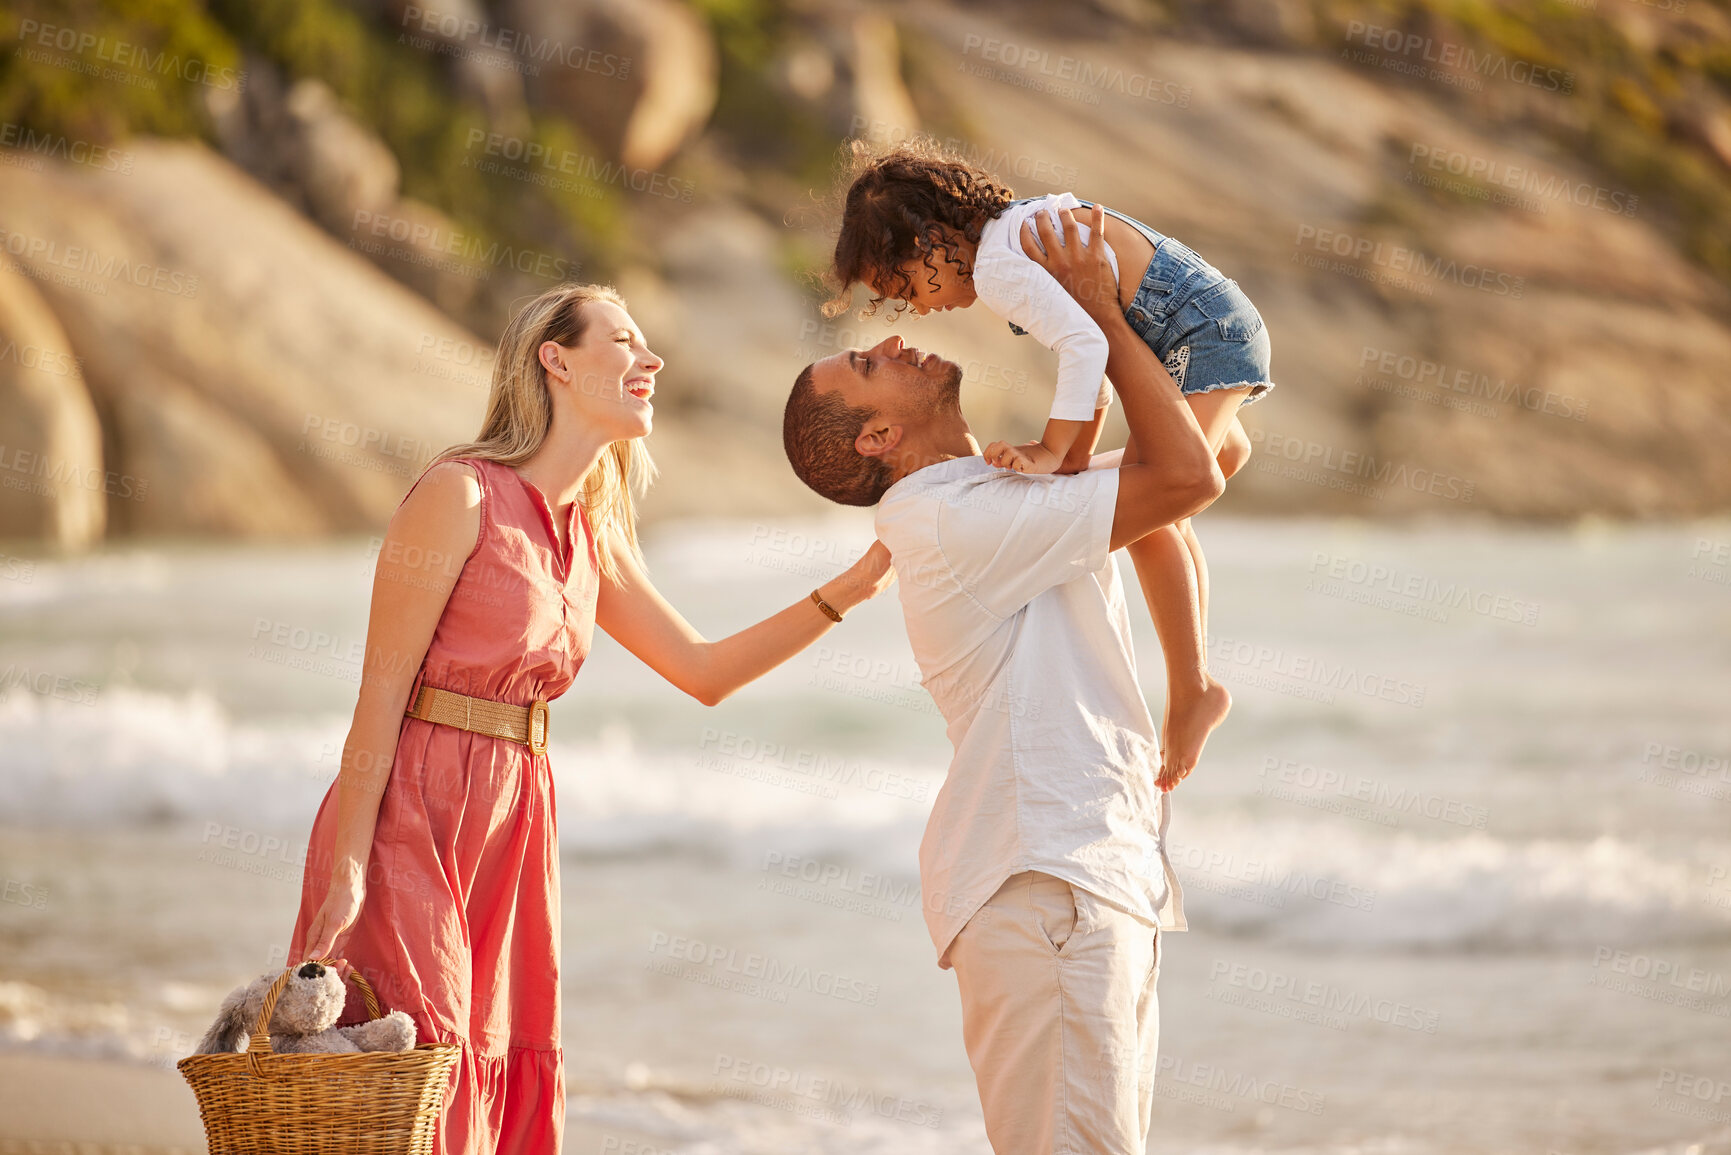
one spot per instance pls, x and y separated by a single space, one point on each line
1175 475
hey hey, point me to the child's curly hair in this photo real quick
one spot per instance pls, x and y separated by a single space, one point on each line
897 203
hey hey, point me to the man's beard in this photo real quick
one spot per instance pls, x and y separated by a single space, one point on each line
941 395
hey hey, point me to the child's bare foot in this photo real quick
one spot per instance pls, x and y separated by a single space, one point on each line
1192 713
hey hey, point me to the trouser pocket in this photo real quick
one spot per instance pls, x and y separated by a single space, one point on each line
1055 909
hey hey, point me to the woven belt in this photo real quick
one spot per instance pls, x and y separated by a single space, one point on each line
524 724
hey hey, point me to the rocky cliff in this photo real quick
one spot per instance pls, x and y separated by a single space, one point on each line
1493 267
250 375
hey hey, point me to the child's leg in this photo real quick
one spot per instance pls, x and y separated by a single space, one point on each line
1195 702
1174 577
1234 450
1217 413
1231 453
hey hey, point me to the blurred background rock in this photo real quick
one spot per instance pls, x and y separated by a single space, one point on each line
255 250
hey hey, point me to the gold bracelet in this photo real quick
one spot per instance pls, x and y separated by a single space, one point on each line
829 611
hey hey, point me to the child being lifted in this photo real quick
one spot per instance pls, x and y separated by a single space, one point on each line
933 232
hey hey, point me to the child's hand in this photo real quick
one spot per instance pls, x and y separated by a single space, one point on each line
1031 457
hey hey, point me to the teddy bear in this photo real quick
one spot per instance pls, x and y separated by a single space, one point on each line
304 1021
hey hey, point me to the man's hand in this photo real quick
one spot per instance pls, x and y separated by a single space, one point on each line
1084 270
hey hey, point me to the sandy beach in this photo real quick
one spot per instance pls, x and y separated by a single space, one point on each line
50 1105
55 1106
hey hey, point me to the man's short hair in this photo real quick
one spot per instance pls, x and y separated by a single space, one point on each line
818 431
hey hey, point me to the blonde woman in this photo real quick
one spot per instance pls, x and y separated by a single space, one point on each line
433 862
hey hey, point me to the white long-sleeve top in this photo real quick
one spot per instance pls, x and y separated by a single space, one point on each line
1017 289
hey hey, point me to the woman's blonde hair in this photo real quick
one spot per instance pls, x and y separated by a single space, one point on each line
520 415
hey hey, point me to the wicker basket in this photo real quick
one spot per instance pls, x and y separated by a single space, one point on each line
370 1103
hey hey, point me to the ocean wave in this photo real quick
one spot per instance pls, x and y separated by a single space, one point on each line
1330 887
157 1030
1310 879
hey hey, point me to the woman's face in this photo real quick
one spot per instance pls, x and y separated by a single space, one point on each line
609 375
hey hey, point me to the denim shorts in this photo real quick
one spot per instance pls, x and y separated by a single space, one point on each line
1200 323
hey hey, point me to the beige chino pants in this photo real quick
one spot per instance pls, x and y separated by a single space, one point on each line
1060 1019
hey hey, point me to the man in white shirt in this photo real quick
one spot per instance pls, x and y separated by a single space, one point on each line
1043 869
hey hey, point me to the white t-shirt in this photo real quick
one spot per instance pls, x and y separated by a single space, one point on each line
1015 287
1017 620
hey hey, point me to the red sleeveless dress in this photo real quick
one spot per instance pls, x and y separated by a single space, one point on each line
460 924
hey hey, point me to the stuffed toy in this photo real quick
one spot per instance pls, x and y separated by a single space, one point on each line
304 1021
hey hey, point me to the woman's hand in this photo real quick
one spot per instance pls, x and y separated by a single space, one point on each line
868 577
876 563
341 907
636 616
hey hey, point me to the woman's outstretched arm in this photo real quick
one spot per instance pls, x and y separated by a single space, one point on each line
423 552
640 619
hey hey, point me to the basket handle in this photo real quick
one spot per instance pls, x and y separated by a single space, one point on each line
258 1043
